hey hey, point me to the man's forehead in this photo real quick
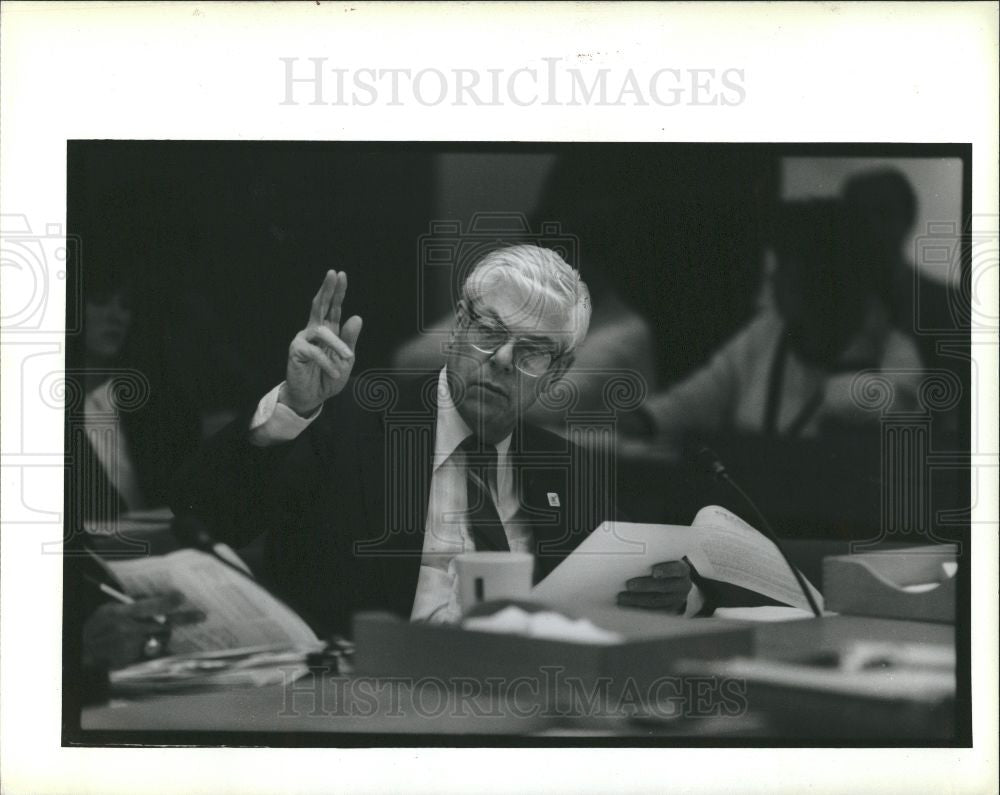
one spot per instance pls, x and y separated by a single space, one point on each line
526 309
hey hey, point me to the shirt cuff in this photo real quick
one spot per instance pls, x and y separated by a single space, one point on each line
695 602
274 422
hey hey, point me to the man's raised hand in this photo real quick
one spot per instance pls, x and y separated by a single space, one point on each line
321 356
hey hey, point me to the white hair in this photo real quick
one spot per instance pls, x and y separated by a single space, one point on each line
543 275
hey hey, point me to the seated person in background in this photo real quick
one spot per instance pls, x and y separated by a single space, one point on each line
789 372
103 636
126 439
107 322
368 491
882 208
135 435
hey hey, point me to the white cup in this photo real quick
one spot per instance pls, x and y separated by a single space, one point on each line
485 576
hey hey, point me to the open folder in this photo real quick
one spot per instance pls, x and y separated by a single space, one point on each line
718 544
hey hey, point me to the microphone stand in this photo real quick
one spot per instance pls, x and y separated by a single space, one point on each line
719 471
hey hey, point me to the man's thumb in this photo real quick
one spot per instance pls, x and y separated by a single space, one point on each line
350 331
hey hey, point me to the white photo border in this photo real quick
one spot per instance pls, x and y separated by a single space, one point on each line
827 72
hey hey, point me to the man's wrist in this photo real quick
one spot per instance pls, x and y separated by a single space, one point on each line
275 422
305 414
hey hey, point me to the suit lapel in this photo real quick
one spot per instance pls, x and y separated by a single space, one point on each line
543 464
396 466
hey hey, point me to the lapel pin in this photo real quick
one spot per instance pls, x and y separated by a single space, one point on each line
553 499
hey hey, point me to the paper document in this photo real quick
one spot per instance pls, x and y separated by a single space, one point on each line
597 569
239 613
245 668
764 613
719 545
732 551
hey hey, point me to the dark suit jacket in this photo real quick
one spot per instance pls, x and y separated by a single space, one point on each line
343 506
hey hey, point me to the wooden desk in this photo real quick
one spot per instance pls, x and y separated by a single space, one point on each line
367 709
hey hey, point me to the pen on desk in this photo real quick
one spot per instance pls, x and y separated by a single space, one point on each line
117 595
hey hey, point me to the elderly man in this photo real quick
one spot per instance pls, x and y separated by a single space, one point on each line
368 489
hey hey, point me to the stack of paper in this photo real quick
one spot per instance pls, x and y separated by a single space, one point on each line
242 667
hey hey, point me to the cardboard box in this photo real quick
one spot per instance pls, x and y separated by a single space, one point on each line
390 647
907 584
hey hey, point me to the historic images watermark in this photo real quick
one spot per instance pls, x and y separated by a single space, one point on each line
551 693
35 259
909 458
552 83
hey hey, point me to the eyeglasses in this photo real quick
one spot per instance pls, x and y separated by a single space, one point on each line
531 357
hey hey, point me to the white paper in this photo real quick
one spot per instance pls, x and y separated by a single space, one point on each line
545 624
239 613
720 546
616 551
732 551
764 613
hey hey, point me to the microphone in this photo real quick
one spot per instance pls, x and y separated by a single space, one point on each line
712 464
191 532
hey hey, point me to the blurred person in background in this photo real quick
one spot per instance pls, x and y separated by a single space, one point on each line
789 372
124 439
882 209
136 430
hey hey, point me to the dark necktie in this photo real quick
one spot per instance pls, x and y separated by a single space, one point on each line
485 526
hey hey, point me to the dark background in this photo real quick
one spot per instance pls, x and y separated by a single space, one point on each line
224 244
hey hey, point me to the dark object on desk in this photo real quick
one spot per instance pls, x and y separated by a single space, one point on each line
337 657
909 584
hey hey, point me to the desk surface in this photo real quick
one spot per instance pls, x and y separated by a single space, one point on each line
366 706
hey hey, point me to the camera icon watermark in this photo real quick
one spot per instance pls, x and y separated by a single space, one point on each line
32 262
448 253
966 261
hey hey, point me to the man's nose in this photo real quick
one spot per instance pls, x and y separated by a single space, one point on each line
504 355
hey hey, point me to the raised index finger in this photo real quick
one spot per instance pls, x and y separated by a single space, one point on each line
337 301
321 301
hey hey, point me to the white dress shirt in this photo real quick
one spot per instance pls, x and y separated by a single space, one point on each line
446 532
